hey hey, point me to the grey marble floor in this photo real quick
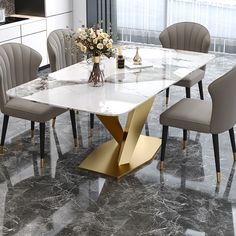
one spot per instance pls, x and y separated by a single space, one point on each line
63 200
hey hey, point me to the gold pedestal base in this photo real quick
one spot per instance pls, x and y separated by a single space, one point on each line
104 159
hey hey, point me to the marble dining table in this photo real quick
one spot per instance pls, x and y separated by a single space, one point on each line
130 91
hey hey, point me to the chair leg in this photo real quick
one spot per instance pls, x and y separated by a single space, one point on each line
217 155
232 139
163 145
167 95
200 90
4 131
53 122
188 92
32 129
184 138
42 143
73 123
91 121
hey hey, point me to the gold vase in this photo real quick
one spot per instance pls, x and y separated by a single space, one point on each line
96 77
137 59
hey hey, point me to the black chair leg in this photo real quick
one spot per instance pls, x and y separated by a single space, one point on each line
91 120
188 92
184 138
232 139
217 155
42 143
4 131
73 123
32 129
167 95
163 145
200 90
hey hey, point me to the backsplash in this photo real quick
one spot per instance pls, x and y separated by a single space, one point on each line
8 5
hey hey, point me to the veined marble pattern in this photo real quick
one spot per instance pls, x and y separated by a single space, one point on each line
63 200
9 6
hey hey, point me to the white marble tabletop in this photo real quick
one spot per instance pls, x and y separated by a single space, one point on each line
124 89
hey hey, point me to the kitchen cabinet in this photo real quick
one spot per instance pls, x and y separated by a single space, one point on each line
37 41
9 33
61 21
56 7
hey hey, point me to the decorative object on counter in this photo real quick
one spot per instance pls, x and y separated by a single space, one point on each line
9 6
120 58
95 43
2 14
137 59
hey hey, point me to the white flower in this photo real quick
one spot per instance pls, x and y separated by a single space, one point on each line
110 40
105 41
93 35
100 46
95 41
91 47
83 49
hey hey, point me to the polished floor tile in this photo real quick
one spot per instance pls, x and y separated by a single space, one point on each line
61 199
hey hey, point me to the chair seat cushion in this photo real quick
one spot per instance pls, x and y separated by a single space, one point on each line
28 110
189 114
191 79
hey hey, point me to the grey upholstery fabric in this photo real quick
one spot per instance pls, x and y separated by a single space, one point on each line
29 110
202 116
223 96
61 50
187 36
19 64
192 78
189 114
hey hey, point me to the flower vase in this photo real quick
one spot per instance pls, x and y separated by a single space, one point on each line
96 76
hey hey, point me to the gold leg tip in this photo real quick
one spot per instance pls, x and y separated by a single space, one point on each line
161 165
234 156
42 163
184 144
218 177
2 150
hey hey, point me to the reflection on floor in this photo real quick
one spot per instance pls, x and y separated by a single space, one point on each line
63 200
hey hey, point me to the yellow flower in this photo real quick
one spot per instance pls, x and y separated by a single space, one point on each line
109 45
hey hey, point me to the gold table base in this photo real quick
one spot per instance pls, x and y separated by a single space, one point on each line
103 160
128 150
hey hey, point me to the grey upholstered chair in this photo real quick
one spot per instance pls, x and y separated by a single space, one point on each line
216 116
62 53
19 64
192 37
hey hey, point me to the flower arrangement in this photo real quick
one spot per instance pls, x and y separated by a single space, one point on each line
93 41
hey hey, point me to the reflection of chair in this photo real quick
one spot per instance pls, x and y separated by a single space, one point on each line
204 116
192 37
62 53
19 64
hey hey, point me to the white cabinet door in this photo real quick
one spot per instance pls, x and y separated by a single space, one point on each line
59 22
38 42
55 7
9 33
17 40
79 13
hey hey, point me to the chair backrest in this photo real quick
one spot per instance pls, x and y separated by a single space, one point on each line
18 64
186 36
223 97
61 50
